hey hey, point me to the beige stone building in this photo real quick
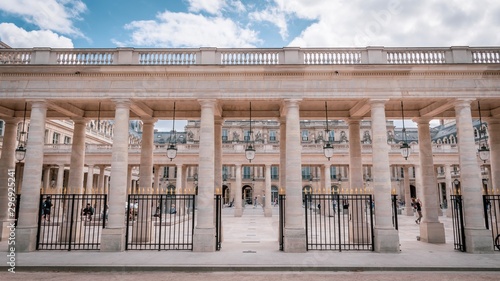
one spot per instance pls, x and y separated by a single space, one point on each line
288 89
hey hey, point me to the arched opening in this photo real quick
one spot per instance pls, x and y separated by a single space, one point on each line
247 193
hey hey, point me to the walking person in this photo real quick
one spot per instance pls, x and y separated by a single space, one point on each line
417 205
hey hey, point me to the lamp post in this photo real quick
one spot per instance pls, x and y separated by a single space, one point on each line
250 150
21 150
327 148
405 148
172 146
456 183
483 151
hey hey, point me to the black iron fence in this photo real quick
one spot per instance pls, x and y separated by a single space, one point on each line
281 205
16 209
339 222
394 200
457 216
160 222
491 204
218 221
71 221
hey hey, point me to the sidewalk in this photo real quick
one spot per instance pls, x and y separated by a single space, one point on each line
251 244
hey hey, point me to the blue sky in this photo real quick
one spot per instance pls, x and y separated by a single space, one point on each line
248 23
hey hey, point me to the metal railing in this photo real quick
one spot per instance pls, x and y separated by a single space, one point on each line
71 221
491 204
218 221
281 205
394 200
457 216
160 222
16 210
339 222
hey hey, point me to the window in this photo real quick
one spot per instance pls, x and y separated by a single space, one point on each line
224 135
331 136
1 128
247 172
46 137
333 172
306 172
272 136
247 135
55 138
305 135
275 172
67 140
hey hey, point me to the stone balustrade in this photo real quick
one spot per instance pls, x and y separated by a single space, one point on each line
250 56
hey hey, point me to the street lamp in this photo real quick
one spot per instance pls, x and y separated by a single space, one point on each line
172 147
21 150
405 148
456 182
250 150
483 151
327 148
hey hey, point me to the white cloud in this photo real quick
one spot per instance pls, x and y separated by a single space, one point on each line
215 7
55 15
19 38
390 23
273 16
189 30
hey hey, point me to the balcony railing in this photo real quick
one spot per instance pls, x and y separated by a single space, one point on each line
249 56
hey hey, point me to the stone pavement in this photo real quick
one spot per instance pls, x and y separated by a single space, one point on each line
251 244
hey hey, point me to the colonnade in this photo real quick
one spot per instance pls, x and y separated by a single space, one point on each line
210 175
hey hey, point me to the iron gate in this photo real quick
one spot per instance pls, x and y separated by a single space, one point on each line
491 204
64 223
281 205
160 222
457 216
218 221
339 222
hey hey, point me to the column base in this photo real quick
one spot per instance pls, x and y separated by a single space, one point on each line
478 241
268 212
295 240
26 239
386 240
432 232
204 240
7 227
238 212
448 213
113 240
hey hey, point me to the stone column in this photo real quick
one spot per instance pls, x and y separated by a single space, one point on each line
268 211
431 230
7 176
406 183
449 188
156 181
326 206
238 203
75 182
142 228
147 146
46 180
355 159
100 184
294 233
359 226
28 217
90 179
60 179
129 186
386 237
179 184
113 236
494 138
204 232
477 237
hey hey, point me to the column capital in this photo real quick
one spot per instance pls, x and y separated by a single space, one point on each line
422 120
80 120
462 102
207 102
123 103
38 103
354 120
12 120
149 120
378 101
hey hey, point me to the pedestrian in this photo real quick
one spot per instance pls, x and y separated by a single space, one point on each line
88 212
417 205
46 207
255 202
